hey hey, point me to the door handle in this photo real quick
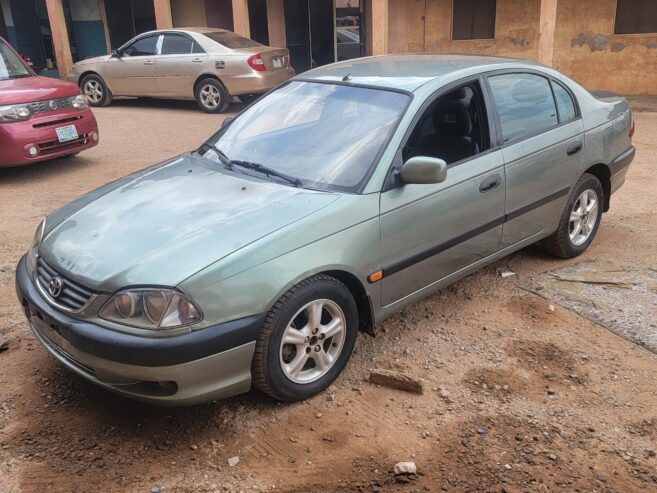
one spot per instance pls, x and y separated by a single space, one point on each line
574 148
197 60
149 62
490 183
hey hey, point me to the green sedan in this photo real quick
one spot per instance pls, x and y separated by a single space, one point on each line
331 203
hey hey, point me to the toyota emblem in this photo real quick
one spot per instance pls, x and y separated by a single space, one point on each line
53 105
55 287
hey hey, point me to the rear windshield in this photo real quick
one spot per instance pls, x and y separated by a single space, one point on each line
231 40
11 67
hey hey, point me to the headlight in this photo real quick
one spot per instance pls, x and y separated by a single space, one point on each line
34 248
151 308
14 113
79 102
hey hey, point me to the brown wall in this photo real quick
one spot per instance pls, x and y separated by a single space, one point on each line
188 13
516 30
587 50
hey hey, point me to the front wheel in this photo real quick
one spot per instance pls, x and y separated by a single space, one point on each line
580 220
306 340
96 91
211 96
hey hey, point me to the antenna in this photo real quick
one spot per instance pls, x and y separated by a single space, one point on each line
346 77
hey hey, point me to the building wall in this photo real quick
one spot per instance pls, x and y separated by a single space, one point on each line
88 28
587 50
188 13
426 25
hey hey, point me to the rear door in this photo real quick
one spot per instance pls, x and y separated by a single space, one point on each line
133 73
542 141
178 65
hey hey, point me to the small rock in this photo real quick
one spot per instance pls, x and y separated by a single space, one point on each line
193 447
318 415
507 466
552 457
405 468
481 431
155 489
551 308
233 461
396 380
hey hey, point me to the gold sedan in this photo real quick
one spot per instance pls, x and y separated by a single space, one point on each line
210 65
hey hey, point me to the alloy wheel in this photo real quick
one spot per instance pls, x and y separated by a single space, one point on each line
312 341
583 217
93 90
210 96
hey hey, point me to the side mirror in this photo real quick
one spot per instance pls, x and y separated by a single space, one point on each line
116 54
226 121
422 170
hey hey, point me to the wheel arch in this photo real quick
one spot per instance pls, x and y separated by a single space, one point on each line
602 173
93 72
208 76
363 301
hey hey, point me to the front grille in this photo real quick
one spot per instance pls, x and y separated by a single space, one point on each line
73 296
39 107
56 146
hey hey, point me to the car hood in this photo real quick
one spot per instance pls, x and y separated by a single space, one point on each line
163 225
92 60
35 88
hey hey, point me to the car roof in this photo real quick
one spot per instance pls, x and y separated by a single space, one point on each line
197 30
405 71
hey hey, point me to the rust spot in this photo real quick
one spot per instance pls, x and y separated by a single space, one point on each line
518 41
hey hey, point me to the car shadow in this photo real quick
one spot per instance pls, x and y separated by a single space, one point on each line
43 170
170 104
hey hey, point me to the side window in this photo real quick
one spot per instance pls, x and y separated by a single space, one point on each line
176 44
197 48
454 127
565 103
524 103
142 47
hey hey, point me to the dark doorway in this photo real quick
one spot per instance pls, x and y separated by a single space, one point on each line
297 31
258 21
310 32
219 13
127 18
29 42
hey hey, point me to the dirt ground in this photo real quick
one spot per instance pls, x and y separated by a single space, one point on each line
519 395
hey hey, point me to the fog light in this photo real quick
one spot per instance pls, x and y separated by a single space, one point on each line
33 151
94 136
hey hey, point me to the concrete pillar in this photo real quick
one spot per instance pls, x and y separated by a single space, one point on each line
59 33
241 18
276 23
379 27
163 19
547 24
103 18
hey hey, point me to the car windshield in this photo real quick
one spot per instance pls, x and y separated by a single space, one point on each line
11 67
325 135
231 40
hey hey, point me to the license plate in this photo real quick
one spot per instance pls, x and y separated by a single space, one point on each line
64 134
277 63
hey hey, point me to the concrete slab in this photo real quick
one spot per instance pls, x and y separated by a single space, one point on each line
618 296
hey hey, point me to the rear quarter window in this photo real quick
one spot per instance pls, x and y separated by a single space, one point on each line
565 103
231 40
524 103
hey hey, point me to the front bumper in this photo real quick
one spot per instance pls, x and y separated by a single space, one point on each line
203 365
39 131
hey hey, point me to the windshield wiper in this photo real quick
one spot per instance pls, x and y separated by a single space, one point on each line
229 163
268 171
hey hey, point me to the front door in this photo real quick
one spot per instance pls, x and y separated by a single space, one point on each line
431 231
133 72
178 65
542 139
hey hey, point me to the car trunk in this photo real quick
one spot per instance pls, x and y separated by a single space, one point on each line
273 58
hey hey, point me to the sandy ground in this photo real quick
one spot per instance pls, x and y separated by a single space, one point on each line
518 397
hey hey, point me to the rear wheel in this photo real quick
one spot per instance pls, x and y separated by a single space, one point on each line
211 96
580 220
95 89
306 340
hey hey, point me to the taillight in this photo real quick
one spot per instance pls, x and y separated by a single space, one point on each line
632 127
256 62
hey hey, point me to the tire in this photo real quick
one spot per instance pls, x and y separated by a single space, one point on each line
564 242
274 362
211 96
94 87
247 99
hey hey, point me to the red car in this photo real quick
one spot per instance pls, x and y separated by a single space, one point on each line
40 117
